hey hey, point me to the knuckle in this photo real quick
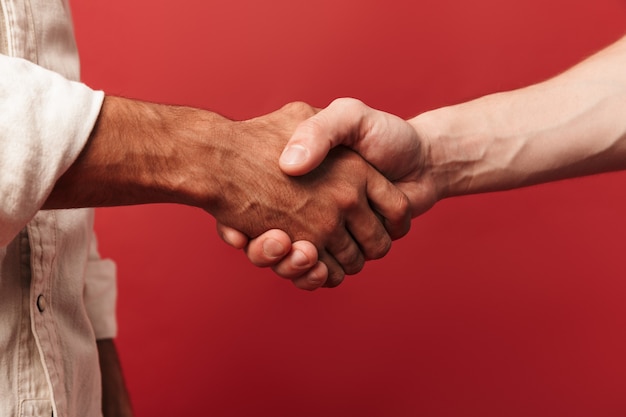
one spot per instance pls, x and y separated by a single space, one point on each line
381 249
334 280
311 128
299 108
403 206
351 260
398 216
356 268
348 103
349 198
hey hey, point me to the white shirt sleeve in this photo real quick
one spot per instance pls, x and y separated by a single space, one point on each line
101 293
45 121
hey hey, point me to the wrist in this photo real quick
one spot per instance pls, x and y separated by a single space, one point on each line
431 129
466 153
193 160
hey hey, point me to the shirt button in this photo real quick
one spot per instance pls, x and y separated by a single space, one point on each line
41 303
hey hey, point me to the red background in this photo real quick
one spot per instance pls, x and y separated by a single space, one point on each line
509 304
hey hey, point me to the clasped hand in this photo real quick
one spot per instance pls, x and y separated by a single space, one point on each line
339 210
344 209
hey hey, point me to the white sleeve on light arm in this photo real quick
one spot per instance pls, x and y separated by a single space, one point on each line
45 121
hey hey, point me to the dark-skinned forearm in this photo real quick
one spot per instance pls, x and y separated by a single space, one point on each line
138 153
115 397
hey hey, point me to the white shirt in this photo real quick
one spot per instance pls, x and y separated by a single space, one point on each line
56 294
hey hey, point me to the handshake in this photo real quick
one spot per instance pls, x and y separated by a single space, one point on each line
323 191
316 193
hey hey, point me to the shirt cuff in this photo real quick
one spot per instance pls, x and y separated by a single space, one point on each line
45 122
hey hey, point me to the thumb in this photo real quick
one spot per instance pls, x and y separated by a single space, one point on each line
338 124
306 149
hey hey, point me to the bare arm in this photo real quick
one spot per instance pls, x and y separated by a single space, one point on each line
142 153
569 126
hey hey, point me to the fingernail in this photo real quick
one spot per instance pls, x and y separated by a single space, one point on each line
299 259
294 155
273 248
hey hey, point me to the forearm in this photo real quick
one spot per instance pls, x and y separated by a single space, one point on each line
569 126
142 153
115 397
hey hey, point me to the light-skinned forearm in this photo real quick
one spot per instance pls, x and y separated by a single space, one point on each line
569 126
